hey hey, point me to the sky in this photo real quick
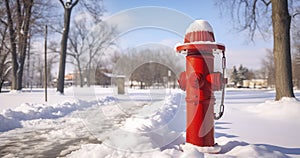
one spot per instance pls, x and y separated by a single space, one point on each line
141 22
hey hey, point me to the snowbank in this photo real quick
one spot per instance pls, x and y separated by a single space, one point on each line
160 134
232 147
8 124
143 135
160 115
150 129
255 151
284 109
10 118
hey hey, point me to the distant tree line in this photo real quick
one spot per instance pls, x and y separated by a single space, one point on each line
267 70
154 74
153 65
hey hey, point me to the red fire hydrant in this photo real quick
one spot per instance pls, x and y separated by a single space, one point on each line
200 82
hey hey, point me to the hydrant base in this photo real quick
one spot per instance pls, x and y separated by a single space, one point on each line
209 149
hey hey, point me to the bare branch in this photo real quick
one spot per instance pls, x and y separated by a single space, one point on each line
55 29
3 22
74 4
94 8
266 3
72 55
248 15
62 3
19 22
294 15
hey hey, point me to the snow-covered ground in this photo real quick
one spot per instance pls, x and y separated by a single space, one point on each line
96 122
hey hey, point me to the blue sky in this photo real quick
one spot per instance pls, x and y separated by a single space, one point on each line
164 21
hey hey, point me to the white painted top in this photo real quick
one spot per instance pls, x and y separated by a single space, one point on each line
199 25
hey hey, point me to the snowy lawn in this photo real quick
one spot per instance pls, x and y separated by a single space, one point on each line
94 122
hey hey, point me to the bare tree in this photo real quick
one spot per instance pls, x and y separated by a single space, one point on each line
296 48
268 68
4 55
150 64
250 14
68 6
18 19
95 9
24 20
77 39
296 68
88 41
98 41
152 73
281 21
296 59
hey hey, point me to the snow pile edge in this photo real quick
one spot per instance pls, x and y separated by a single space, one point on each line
11 118
161 117
284 109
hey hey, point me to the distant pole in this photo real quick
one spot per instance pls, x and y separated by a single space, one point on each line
169 78
45 81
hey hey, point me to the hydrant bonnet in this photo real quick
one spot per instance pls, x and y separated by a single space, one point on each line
198 31
200 37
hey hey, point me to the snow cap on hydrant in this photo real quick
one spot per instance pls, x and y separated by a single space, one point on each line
199 30
198 33
200 81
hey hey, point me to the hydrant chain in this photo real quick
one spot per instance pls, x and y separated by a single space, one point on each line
221 111
223 62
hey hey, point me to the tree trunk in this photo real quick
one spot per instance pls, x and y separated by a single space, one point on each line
81 79
141 86
23 35
21 29
1 84
12 45
281 21
80 72
88 76
63 51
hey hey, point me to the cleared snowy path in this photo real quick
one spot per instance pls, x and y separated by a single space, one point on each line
57 137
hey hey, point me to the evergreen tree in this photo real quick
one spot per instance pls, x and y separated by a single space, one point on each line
242 74
234 76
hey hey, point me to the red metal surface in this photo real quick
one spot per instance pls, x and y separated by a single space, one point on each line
215 79
199 36
209 47
182 81
199 101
